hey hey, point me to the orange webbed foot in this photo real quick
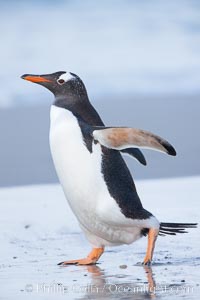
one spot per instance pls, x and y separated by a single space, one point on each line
91 259
82 261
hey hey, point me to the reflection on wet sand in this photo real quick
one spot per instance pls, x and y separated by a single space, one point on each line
103 287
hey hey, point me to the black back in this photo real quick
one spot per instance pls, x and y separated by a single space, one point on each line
114 169
71 94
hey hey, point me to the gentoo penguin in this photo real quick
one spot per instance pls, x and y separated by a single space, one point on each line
96 181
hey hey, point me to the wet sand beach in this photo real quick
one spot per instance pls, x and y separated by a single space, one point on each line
39 230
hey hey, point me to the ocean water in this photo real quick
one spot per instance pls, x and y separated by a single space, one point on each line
140 57
117 47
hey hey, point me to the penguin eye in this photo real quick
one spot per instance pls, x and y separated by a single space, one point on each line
60 81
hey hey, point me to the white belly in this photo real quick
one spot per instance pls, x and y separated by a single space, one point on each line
79 172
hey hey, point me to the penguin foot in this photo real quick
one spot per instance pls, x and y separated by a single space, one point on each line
82 261
91 259
146 262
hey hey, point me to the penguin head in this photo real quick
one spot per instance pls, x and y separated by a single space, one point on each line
62 84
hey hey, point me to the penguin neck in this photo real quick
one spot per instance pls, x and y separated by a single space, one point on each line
81 108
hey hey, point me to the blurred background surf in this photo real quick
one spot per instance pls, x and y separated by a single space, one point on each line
140 62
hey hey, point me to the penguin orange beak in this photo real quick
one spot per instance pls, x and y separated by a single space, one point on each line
35 78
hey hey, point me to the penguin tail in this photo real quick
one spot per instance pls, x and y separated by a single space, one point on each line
174 228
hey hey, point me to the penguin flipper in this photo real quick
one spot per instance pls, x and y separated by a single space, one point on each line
120 138
136 153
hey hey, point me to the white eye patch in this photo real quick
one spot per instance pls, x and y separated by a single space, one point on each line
65 77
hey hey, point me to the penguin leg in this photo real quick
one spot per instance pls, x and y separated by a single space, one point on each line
152 236
91 259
